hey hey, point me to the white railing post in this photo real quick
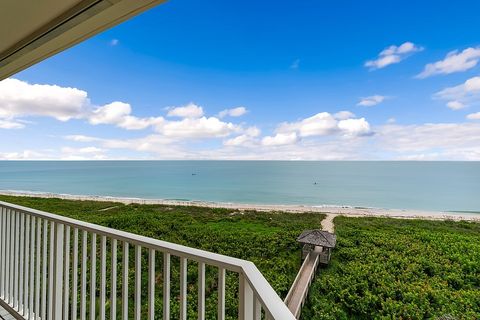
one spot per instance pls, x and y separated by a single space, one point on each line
75 273
113 275
138 282
201 291
16 272
20 271
26 270
6 282
257 309
2 253
151 284
58 278
51 271
93 276
103 275
183 288
31 288
12 256
125 282
37 268
221 294
43 313
166 286
83 278
66 275
245 304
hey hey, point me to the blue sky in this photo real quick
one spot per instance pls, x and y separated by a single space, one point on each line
405 75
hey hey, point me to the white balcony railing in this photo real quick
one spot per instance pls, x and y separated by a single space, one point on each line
45 268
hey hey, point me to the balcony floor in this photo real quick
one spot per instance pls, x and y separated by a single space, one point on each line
5 315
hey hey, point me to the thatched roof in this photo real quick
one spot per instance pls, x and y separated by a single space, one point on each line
318 238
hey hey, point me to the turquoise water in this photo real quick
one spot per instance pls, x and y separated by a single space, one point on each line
447 186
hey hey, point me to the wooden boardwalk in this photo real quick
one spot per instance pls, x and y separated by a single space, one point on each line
299 291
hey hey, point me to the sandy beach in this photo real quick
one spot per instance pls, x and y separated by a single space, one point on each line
334 210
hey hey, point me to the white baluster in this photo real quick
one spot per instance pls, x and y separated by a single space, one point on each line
183 288
83 278
103 274
221 294
151 284
58 279
26 270
125 282
66 275
245 304
75 274
51 271
166 286
93 276
138 281
113 286
44 269
31 287
201 291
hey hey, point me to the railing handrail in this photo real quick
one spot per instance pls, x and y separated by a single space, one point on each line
304 293
266 294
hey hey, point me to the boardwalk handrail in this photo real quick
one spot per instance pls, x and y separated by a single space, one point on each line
295 305
32 241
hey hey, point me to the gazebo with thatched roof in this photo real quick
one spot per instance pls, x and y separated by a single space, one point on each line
318 238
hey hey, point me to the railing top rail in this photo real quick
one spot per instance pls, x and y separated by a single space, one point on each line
264 291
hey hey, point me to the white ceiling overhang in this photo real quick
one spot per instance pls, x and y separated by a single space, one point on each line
33 30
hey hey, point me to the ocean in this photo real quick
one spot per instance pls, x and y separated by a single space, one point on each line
426 186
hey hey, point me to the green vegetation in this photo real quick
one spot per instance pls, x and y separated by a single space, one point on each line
381 269
399 269
267 239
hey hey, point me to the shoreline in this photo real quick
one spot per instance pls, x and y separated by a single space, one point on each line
335 210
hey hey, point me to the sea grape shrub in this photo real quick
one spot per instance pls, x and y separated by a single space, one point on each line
398 269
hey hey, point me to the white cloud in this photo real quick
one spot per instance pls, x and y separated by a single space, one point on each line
240 140
118 113
393 54
474 116
280 139
80 138
437 141
371 100
434 141
86 153
461 96
197 128
344 115
20 99
355 127
114 42
455 61
248 138
22 155
324 123
391 120
190 110
10 124
234 112
455 105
